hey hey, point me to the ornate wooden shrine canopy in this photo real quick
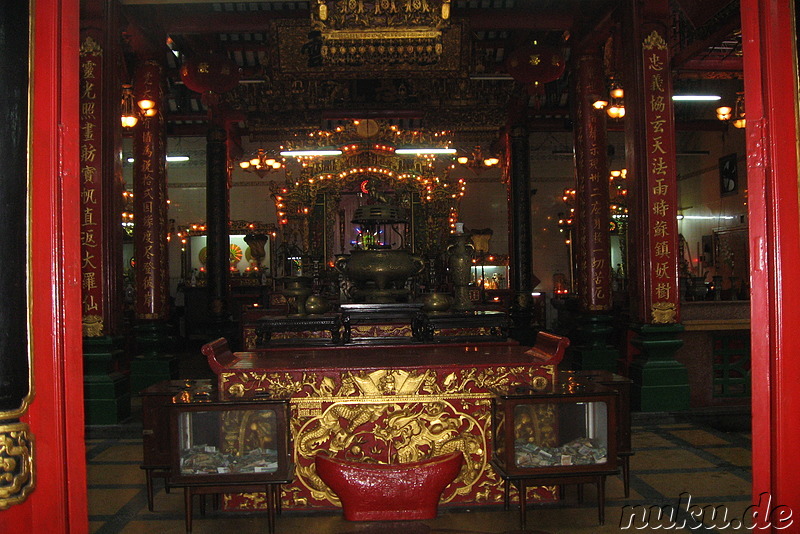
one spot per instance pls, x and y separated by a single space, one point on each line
435 64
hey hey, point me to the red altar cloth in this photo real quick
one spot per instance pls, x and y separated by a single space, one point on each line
388 404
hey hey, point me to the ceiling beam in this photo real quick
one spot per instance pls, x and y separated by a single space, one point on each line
697 48
216 23
699 13
716 67
599 33
259 21
517 19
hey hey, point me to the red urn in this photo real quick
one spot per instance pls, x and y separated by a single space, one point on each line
381 492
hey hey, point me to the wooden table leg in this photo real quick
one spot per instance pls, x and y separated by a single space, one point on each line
626 475
523 504
601 499
148 476
506 494
346 328
187 508
271 508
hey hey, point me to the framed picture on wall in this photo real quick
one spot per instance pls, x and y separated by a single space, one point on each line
728 175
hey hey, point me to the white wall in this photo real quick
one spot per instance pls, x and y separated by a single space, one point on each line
699 188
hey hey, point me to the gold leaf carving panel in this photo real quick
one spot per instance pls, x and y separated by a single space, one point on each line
16 464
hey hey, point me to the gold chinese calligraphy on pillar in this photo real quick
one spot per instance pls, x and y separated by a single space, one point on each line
660 188
593 249
91 232
150 201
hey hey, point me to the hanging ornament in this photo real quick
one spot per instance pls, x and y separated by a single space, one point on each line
535 63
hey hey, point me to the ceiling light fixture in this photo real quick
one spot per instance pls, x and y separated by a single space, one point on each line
736 114
616 107
424 150
169 158
706 217
614 104
260 163
308 153
476 160
696 98
128 114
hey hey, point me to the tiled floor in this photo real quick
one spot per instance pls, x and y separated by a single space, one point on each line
670 459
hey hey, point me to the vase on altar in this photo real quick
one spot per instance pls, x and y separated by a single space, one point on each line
436 302
297 289
459 264
716 282
699 289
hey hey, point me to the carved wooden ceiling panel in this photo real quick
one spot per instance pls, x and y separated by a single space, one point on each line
462 86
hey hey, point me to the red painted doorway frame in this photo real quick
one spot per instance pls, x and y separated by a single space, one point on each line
56 416
58 504
770 67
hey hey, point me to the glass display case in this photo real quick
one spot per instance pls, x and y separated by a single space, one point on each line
156 399
567 428
490 276
622 385
230 443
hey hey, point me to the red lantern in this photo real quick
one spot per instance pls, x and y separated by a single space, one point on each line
534 63
214 73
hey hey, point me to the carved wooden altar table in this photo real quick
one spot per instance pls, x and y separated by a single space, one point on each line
270 325
386 403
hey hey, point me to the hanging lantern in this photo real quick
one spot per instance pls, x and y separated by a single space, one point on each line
128 115
535 64
213 73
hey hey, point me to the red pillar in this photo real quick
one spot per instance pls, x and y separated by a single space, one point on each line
593 240
107 389
660 382
17 453
218 221
150 201
651 163
55 415
154 363
770 68
101 170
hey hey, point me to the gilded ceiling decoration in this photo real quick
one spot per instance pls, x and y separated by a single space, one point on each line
354 33
302 51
